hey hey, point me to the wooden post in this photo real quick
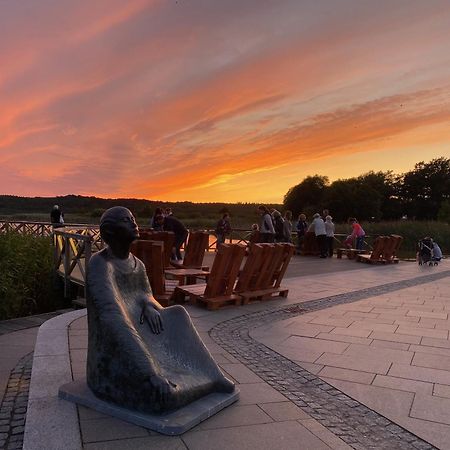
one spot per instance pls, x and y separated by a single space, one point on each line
87 257
66 250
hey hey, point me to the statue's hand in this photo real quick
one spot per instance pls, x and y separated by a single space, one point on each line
162 388
153 318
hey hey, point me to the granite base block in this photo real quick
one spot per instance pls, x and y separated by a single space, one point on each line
173 423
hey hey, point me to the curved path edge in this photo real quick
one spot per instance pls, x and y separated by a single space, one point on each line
50 421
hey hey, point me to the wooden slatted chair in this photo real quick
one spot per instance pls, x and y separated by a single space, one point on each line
194 252
151 253
263 271
376 256
391 248
310 245
218 291
167 237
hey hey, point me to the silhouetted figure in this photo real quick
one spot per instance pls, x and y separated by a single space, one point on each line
171 223
56 217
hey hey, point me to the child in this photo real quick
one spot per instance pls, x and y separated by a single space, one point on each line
357 233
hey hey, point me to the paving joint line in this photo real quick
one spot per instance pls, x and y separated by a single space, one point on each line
353 422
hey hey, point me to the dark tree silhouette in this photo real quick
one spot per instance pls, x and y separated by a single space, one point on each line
307 195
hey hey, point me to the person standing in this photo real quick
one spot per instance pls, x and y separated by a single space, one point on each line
171 223
288 226
278 225
302 227
318 226
329 229
267 231
56 217
223 228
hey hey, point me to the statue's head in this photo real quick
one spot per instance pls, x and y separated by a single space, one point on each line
118 224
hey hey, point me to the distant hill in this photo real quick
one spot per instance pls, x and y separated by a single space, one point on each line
78 208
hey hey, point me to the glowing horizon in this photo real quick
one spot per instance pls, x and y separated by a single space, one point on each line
217 101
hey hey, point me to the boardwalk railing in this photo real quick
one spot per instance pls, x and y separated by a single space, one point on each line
33 228
74 245
73 248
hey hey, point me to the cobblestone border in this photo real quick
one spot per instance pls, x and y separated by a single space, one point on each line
13 408
356 424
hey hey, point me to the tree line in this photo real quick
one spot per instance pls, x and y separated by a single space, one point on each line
420 194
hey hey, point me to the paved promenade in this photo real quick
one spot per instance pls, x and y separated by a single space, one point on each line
374 343
354 358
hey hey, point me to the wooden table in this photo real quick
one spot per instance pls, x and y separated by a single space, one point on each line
187 276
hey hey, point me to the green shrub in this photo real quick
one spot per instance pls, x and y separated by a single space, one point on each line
27 281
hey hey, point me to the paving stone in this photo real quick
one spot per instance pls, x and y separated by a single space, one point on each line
282 411
145 443
394 337
420 373
346 374
388 344
109 429
432 408
288 435
241 373
402 384
441 390
380 354
235 416
258 393
433 342
425 332
361 363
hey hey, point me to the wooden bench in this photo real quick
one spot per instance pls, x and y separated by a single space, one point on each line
218 291
263 271
309 245
151 253
384 250
167 237
351 253
194 252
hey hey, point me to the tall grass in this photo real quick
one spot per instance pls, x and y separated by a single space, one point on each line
28 284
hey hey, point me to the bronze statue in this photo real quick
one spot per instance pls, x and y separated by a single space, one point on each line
141 356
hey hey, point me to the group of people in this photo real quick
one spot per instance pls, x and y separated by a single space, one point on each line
323 228
274 227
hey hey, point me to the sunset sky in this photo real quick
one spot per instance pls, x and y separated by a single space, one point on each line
217 100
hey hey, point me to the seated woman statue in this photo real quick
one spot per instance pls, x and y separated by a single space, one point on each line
141 356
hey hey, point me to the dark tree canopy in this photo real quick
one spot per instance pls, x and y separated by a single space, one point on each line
307 195
422 193
424 188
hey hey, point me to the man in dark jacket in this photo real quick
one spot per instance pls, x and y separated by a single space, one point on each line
171 223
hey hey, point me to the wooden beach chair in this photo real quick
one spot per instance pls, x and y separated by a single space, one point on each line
391 248
167 237
194 251
376 255
151 253
218 291
263 271
310 247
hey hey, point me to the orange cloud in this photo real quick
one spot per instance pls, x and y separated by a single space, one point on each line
149 98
